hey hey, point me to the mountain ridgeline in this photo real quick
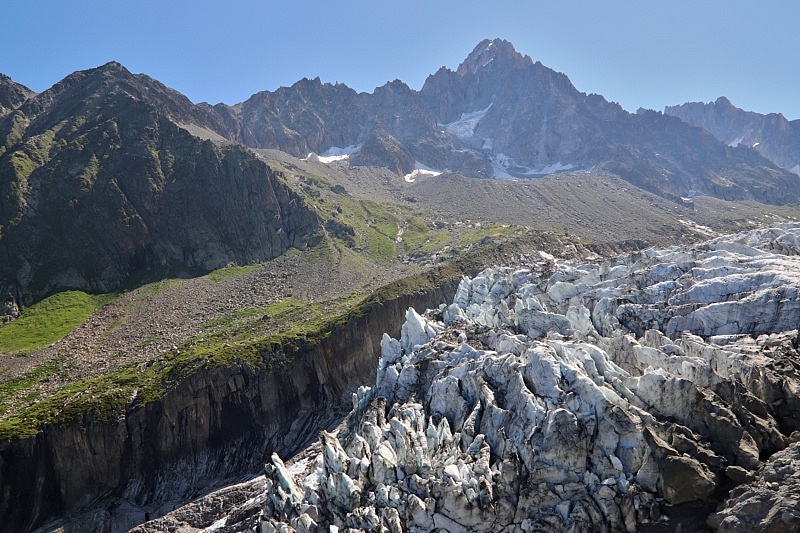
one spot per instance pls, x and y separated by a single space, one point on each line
771 135
109 174
501 115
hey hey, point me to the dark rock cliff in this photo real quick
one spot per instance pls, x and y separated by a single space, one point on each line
214 425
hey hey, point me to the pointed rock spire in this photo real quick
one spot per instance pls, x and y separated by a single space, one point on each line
489 51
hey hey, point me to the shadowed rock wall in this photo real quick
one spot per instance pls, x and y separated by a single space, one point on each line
217 424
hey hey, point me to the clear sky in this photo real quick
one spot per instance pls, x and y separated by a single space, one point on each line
640 53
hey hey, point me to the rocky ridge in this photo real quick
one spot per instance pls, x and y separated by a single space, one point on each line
574 397
772 135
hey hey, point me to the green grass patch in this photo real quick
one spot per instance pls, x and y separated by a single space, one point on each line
374 226
475 235
23 389
49 321
227 321
100 399
368 227
231 272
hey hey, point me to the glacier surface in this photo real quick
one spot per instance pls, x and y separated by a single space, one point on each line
567 396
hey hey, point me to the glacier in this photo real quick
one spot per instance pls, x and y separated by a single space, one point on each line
568 396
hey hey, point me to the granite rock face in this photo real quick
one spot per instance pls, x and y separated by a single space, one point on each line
593 399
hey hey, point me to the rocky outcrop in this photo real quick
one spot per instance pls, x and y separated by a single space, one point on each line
771 502
12 94
219 423
538 403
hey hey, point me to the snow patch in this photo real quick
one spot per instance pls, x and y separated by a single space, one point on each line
795 170
551 169
756 144
464 127
736 142
420 170
334 153
332 158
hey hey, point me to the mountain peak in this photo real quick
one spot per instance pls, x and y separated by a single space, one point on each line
112 68
723 101
12 94
105 75
489 51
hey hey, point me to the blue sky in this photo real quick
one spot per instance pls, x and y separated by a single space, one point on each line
638 53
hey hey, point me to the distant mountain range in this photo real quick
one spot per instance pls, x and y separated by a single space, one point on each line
108 173
771 135
501 115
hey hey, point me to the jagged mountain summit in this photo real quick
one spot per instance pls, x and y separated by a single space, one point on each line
502 115
772 135
12 94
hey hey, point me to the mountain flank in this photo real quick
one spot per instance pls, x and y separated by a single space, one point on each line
98 181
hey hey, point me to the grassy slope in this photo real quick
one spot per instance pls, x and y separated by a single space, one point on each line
49 321
265 338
